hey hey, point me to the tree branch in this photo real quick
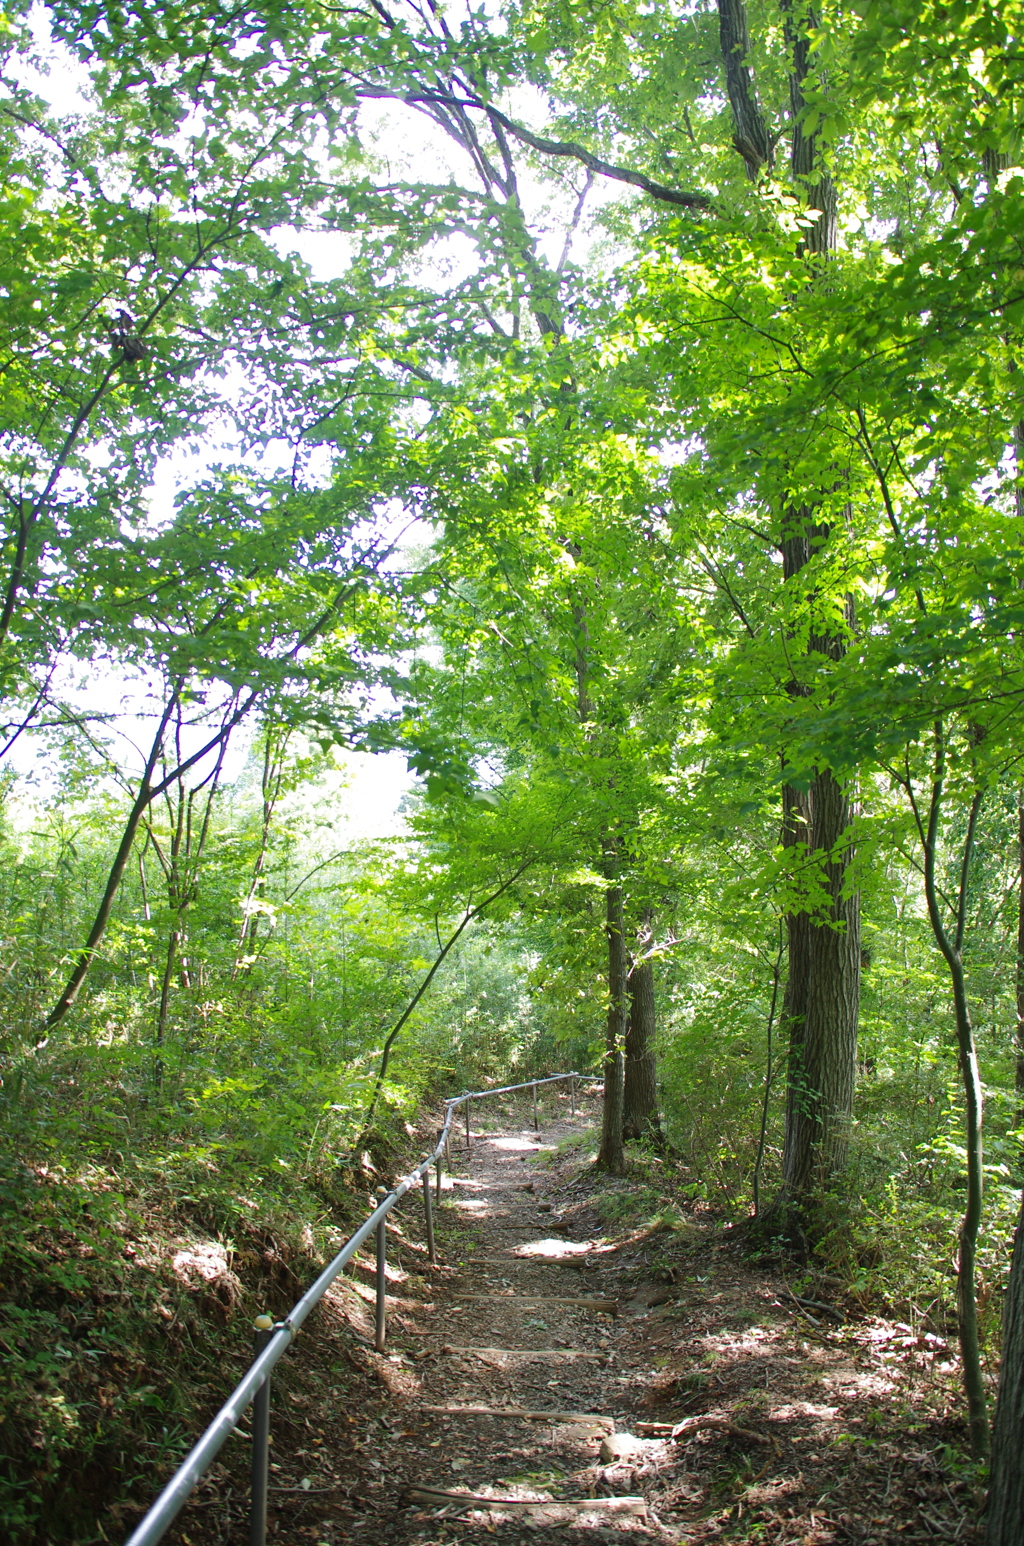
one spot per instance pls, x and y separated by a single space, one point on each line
566 148
470 914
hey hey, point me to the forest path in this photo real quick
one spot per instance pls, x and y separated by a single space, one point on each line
815 1424
491 1327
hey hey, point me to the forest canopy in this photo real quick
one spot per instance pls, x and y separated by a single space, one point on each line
613 412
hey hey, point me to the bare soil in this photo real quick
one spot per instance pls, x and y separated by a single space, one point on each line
828 1424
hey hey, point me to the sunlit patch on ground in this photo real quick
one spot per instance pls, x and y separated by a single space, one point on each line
753 1340
795 1409
519 1145
554 1248
206 1264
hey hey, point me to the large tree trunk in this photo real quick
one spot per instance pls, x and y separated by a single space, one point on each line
640 1102
1005 1522
612 1155
821 1004
823 1050
821 1000
752 139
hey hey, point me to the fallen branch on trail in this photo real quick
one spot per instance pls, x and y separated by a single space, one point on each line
435 1498
524 1413
695 1424
523 1352
804 1305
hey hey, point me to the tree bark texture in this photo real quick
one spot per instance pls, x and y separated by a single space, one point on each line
1018 504
640 1102
823 1050
1005 1518
1019 1081
821 1003
751 137
796 830
809 173
612 1155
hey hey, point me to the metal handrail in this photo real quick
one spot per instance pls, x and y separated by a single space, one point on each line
274 1339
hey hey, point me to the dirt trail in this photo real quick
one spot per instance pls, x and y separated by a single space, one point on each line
825 1424
492 1334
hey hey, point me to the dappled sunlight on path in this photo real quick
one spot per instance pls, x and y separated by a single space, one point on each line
560 1381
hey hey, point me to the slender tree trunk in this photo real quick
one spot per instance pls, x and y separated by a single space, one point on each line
769 1079
640 1098
170 961
96 933
966 1289
827 811
275 749
180 863
148 792
612 1154
796 830
1018 503
823 1055
141 804
1005 1517
952 952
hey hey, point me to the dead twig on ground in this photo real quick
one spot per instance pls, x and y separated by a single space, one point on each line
468 1500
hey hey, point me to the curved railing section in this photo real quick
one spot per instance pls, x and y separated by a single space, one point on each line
273 1339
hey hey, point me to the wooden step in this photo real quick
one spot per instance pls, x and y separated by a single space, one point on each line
522 1352
586 1419
604 1306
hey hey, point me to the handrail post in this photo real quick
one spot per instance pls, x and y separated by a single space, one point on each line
469 1141
572 1093
382 1260
536 1118
429 1217
260 1472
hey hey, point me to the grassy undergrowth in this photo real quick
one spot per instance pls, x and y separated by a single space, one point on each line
125 1311
143 1226
890 1249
